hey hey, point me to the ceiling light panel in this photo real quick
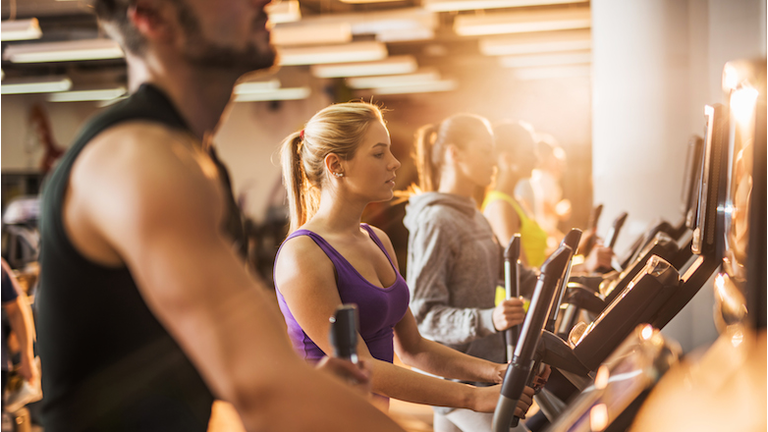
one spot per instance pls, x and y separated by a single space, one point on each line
89 49
88 95
392 65
35 85
283 11
458 5
522 22
308 33
546 59
27 29
288 93
352 52
538 42
431 87
421 77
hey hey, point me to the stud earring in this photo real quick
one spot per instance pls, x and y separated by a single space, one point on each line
338 174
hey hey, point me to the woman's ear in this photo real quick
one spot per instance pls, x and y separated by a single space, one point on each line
333 165
452 154
150 18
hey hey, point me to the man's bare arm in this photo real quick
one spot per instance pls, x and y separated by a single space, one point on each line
163 221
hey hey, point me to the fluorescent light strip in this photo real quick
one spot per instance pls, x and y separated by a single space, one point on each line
547 59
404 35
536 73
539 42
424 76
367 1
37 85
91 49
437 86
521 22
283 11
458 5
87 95
13 30
257 86
352 52
390 66
290 93
311 34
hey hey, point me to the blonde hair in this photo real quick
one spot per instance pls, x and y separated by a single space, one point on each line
432 140
336 129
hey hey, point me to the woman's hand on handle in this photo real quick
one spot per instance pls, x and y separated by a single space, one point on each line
508 313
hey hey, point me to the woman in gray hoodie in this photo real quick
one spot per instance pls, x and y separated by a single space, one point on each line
454 259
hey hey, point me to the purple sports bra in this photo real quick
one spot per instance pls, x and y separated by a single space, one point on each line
379 308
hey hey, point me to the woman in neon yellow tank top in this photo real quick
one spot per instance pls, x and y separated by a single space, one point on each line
515 160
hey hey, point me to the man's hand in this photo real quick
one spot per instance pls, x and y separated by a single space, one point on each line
508 313
357 376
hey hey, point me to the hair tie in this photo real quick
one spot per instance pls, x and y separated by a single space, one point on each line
301 134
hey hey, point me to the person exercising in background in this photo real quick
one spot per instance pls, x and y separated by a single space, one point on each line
20 318
454 259
515 160
145 310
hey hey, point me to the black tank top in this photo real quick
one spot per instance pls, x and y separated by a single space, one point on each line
107 363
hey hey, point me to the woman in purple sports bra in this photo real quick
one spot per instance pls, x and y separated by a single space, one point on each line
332 169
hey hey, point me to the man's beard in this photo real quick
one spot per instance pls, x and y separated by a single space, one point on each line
203 53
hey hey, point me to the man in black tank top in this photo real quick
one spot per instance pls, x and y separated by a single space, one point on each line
145 311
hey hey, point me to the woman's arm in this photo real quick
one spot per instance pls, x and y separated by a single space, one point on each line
305 278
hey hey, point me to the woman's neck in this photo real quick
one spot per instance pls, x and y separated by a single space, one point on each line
506 182
338 214
450 183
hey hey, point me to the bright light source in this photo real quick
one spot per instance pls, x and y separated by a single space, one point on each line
90 49
390 66
521 22
647 332
367 1
305 33
743 104
546 59
87 95
291 93
425 76
602 377
351 52
457 5
35 85
283 11
598 417
411 34
256 86
27 29
426 87
538 42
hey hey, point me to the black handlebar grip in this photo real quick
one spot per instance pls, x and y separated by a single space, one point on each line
344 332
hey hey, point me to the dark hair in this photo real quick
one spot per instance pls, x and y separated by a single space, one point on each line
432 139
113 17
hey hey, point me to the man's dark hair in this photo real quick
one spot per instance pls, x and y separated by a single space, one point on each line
113 15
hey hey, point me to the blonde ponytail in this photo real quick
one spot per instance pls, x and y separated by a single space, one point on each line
337 129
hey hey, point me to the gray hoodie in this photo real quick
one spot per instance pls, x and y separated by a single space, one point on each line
454 266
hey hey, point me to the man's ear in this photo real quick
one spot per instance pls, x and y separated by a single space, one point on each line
150 18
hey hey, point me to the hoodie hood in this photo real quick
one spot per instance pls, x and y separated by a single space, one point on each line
422 205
